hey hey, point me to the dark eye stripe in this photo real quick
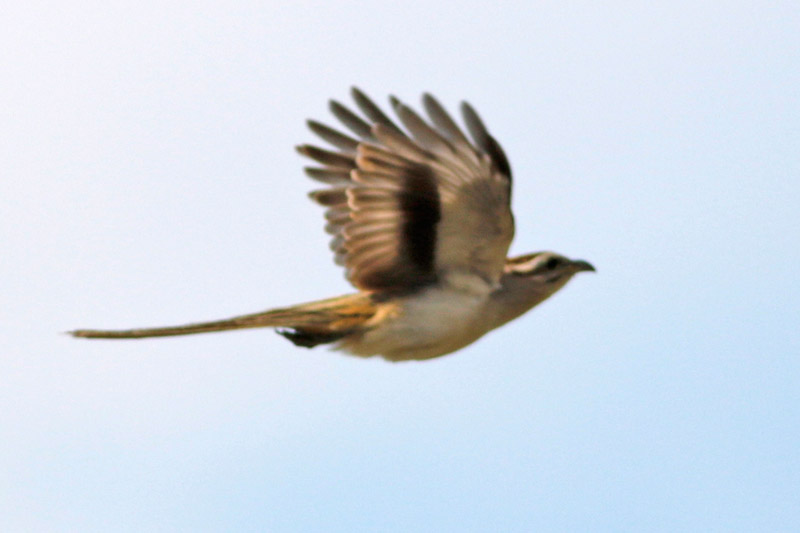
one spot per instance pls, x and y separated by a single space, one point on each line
552 263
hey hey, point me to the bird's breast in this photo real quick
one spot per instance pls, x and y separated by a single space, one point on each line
427 324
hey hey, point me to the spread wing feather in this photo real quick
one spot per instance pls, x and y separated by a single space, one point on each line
410 203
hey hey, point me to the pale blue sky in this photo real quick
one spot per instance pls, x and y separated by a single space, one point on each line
149 178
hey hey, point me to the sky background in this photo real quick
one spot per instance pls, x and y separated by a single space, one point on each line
149 178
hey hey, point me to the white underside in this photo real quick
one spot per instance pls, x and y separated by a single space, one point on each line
435 322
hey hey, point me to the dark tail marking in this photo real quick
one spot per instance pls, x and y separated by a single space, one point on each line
309 339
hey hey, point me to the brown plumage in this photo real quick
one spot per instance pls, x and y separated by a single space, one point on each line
420 219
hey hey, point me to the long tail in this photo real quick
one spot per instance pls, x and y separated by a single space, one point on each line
305 324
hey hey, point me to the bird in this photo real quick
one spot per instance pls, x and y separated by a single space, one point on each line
419 216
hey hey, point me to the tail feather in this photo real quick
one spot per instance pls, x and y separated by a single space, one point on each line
332 318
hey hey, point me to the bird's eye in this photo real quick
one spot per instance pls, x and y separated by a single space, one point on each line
552 263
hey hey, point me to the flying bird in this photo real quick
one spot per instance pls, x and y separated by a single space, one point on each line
420 219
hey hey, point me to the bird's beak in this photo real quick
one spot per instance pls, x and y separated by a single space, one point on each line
582 266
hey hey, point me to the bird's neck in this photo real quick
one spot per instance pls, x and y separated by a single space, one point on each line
516 295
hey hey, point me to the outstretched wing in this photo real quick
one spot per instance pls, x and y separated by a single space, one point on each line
409 205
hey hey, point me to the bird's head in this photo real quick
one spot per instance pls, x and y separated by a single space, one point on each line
549 270
530 279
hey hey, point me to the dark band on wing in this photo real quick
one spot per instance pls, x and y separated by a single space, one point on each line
390 241
422 210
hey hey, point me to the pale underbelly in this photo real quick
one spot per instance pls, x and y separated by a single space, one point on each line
424 326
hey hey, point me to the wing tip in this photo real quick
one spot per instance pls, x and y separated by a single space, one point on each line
356 92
